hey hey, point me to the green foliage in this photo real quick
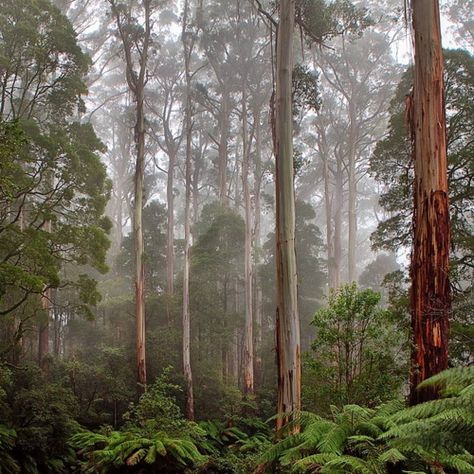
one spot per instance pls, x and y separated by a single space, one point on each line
235 445
155 436
427 437
36 421
323 20
53 185
135 451
305 89
354 352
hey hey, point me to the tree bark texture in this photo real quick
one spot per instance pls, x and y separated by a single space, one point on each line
430 291
287 319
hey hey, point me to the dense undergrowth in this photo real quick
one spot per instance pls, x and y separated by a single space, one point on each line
38 434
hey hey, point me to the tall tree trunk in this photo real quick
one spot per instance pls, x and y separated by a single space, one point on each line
170 223
257 250
352 239
43 339
188 376
328 211
247 362
287 319
139 242
430 292
136 83
224 123
339 195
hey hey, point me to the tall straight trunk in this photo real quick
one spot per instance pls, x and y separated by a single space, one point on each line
139 242
430 292
352 238
329 226
248 375
257 245
224 124
188 376
170 224
287 319
136 83
339 194
43 337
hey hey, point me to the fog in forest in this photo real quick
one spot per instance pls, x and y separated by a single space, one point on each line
227 244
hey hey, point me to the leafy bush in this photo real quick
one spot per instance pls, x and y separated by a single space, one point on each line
35 424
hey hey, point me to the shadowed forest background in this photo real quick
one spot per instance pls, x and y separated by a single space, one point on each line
154 196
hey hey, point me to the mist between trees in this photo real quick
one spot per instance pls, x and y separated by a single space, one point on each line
236 236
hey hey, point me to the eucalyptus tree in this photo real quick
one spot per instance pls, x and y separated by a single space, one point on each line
136 43
392 165
362 75
287 318
430 292
188 38
164 101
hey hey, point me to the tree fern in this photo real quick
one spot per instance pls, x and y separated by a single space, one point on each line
108 452
414 439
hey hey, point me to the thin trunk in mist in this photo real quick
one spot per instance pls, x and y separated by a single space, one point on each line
136 82
430 292
188 376
352 184
43 336
170 225
43 339
224 124
248 266
257 245
339 199
287 319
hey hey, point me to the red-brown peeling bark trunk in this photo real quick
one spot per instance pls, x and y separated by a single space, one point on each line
287 319
430 292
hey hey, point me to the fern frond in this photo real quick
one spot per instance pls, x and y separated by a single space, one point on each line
314 461
136 457
464 464
392 455
335 439
455 377
352 464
